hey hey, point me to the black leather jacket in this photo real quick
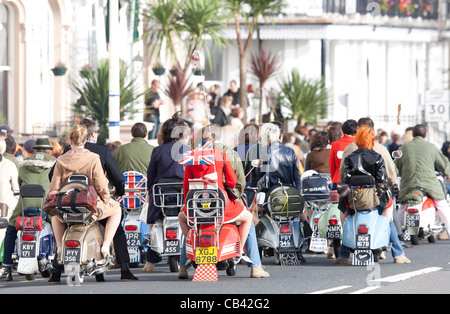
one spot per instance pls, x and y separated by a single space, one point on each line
280 163
365 162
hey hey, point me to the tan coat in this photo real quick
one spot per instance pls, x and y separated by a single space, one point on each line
85 163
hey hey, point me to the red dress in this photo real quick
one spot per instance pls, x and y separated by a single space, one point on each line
233 209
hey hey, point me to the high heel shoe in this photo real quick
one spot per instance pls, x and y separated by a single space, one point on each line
107 257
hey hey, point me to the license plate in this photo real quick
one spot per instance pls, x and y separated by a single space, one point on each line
363 241
28 250
72 256
286 240
412 220
318 244
363 258
133 238
171 247
333 232
206 255
315 231
206 205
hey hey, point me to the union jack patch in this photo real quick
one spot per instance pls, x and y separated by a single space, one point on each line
135 190
202 155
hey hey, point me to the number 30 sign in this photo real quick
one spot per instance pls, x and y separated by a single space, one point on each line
437 106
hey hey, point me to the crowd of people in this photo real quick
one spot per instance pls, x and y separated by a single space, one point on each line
307 148
204 106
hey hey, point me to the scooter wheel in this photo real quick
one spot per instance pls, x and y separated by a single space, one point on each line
100 277
231 271
415 240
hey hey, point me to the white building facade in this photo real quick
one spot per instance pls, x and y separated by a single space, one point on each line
371 62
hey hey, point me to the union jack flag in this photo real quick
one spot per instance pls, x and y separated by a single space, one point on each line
202 155
135 190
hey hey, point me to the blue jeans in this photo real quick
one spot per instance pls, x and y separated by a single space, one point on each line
9 244
251 246
154 118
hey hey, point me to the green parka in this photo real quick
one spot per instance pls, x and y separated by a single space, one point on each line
33 170
417 168
134 156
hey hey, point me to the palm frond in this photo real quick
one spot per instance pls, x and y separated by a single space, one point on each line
94 95
306 98
264 65
179 87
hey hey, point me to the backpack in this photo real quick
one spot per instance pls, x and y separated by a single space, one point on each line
284 200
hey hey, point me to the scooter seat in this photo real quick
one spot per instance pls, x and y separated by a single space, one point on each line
362 181
31 211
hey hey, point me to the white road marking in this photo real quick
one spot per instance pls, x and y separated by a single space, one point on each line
405 276
368 289
330 290
390 279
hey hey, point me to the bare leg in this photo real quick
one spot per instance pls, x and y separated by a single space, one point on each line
58 230
111 227
244 228
182 219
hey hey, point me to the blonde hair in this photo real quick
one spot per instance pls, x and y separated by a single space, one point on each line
57 149
78 134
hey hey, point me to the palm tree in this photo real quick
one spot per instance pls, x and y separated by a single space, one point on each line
306 98
159 19
179 88
251 10
263 65
93 88
189 22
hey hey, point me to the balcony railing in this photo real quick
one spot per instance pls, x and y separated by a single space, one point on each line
425 9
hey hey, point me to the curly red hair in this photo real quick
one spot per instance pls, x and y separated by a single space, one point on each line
365 137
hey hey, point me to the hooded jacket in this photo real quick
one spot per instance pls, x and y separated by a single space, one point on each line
83 163
33 170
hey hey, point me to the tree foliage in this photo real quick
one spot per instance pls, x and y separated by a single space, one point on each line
93 88
306 98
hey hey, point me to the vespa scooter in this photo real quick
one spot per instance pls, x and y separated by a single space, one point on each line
83 238
366 233
421 218
209 240
35 244
133 202
166 236
280 232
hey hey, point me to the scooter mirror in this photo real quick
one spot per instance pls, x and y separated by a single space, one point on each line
256 163
397 154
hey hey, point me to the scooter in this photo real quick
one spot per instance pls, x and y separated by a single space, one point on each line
35 245
366 233
82 240
166 236
421 218
280 233
325 219
210 240
134 202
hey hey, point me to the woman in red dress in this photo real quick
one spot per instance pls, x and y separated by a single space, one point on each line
233 210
